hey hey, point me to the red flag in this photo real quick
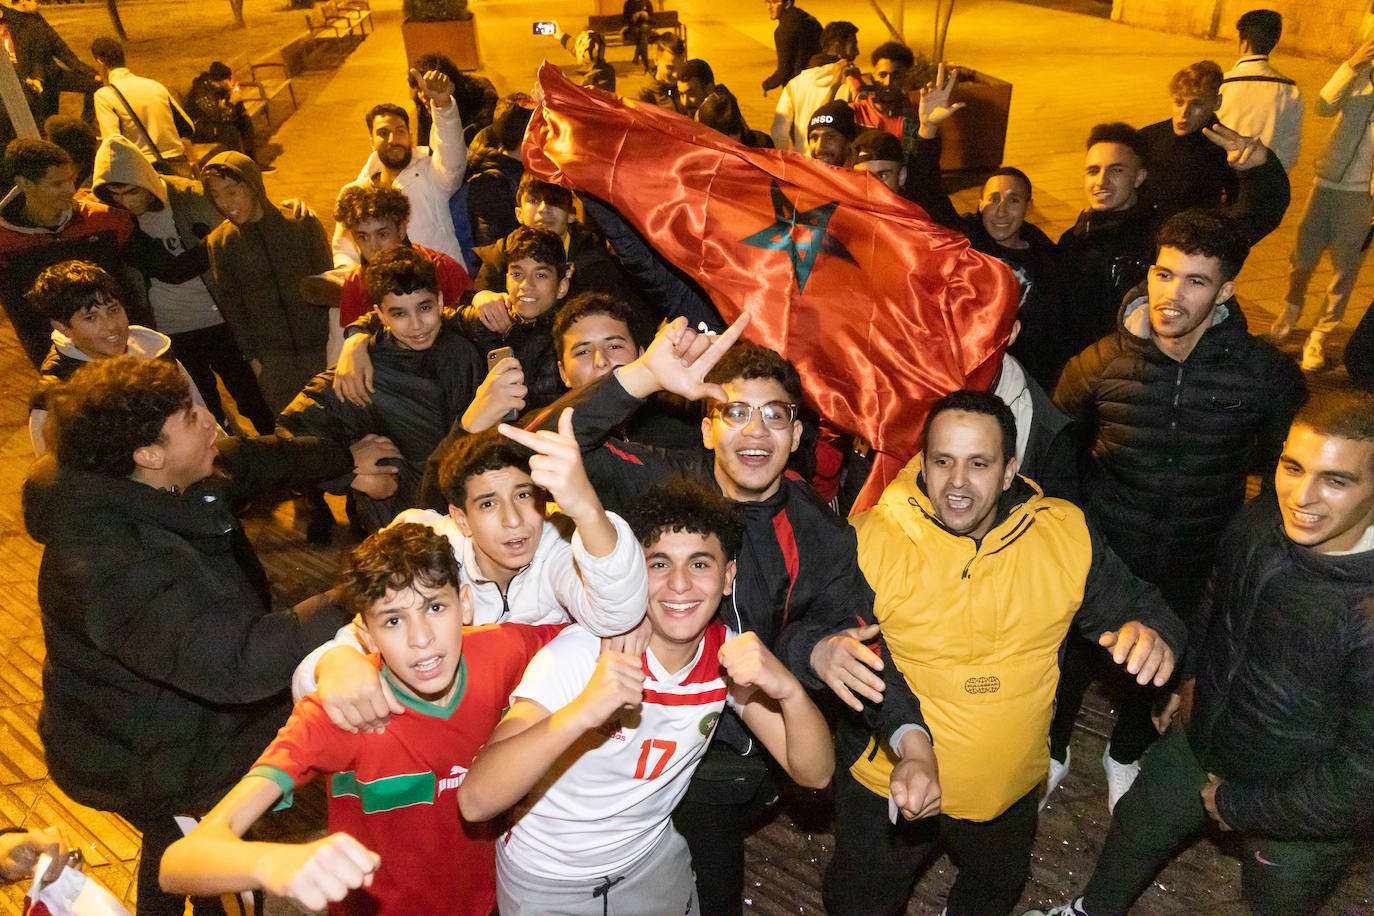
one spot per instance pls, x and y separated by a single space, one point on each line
882 310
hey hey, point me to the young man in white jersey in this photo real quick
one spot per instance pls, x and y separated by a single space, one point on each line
602 749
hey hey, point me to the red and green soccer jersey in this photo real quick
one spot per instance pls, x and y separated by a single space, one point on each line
397 792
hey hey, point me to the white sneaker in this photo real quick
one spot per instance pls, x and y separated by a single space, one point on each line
1314 353
1283 325
1057 773
1073 908
1120 776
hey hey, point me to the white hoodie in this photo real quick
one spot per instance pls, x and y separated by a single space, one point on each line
144 343
800 98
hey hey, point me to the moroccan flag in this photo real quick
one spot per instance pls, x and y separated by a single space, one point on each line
882 310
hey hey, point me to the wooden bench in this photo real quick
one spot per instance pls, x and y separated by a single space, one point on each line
356 15
659 20
337 30
266 82
355 11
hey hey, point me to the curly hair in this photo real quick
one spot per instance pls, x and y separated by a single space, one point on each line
686 504
402 556
28 158
1209 233
399 271
357 204
584 304
68 288
894 51
110 409
476 454
747 360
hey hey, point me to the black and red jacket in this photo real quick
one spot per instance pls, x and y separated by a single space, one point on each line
798 578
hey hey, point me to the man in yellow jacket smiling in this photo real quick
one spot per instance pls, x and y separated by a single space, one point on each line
978 577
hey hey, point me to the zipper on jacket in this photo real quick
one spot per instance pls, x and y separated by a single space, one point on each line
739 628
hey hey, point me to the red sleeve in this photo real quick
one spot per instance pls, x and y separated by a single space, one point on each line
309 744
353 301
96 215
453 279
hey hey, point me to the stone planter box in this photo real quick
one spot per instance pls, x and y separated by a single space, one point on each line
454 38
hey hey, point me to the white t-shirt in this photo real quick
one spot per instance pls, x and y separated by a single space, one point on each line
609 798
179 307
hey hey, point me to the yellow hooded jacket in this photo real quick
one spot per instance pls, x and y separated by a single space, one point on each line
976 629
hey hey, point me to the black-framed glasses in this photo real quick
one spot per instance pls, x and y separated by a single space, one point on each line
773 415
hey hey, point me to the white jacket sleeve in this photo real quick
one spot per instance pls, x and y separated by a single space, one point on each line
448 153
781 130
105 115
607 595
1337 90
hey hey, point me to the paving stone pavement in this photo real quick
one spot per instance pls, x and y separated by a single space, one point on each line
1069 70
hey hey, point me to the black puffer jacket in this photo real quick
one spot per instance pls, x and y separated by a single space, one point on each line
1106 253
167 671
417 397
1284 704
1171 442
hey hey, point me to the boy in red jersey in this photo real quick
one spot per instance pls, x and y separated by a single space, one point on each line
397 842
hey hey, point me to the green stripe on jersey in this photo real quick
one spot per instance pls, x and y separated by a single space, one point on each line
386 793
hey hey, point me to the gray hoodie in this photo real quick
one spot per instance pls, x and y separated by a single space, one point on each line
183 299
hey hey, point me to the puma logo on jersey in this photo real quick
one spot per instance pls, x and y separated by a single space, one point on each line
454 779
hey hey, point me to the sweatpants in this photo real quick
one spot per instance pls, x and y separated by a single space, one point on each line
659 883
876 862
1163 811
1334 221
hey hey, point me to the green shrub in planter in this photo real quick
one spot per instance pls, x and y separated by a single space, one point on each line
435 10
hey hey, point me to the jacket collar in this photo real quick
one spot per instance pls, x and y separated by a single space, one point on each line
1134 321
907 501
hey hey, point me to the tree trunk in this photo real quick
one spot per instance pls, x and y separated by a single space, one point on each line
112 7
237 7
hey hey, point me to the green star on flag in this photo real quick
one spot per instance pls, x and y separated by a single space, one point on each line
790 223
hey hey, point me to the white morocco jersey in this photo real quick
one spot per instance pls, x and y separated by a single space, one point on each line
608 799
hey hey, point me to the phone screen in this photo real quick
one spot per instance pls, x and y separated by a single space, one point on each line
545 28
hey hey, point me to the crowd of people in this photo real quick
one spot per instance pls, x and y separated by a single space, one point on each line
607 600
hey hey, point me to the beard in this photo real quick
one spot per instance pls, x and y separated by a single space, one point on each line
394 157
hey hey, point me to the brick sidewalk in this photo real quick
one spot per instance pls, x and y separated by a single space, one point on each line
1070 71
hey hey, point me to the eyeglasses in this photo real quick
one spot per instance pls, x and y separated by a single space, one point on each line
774 414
